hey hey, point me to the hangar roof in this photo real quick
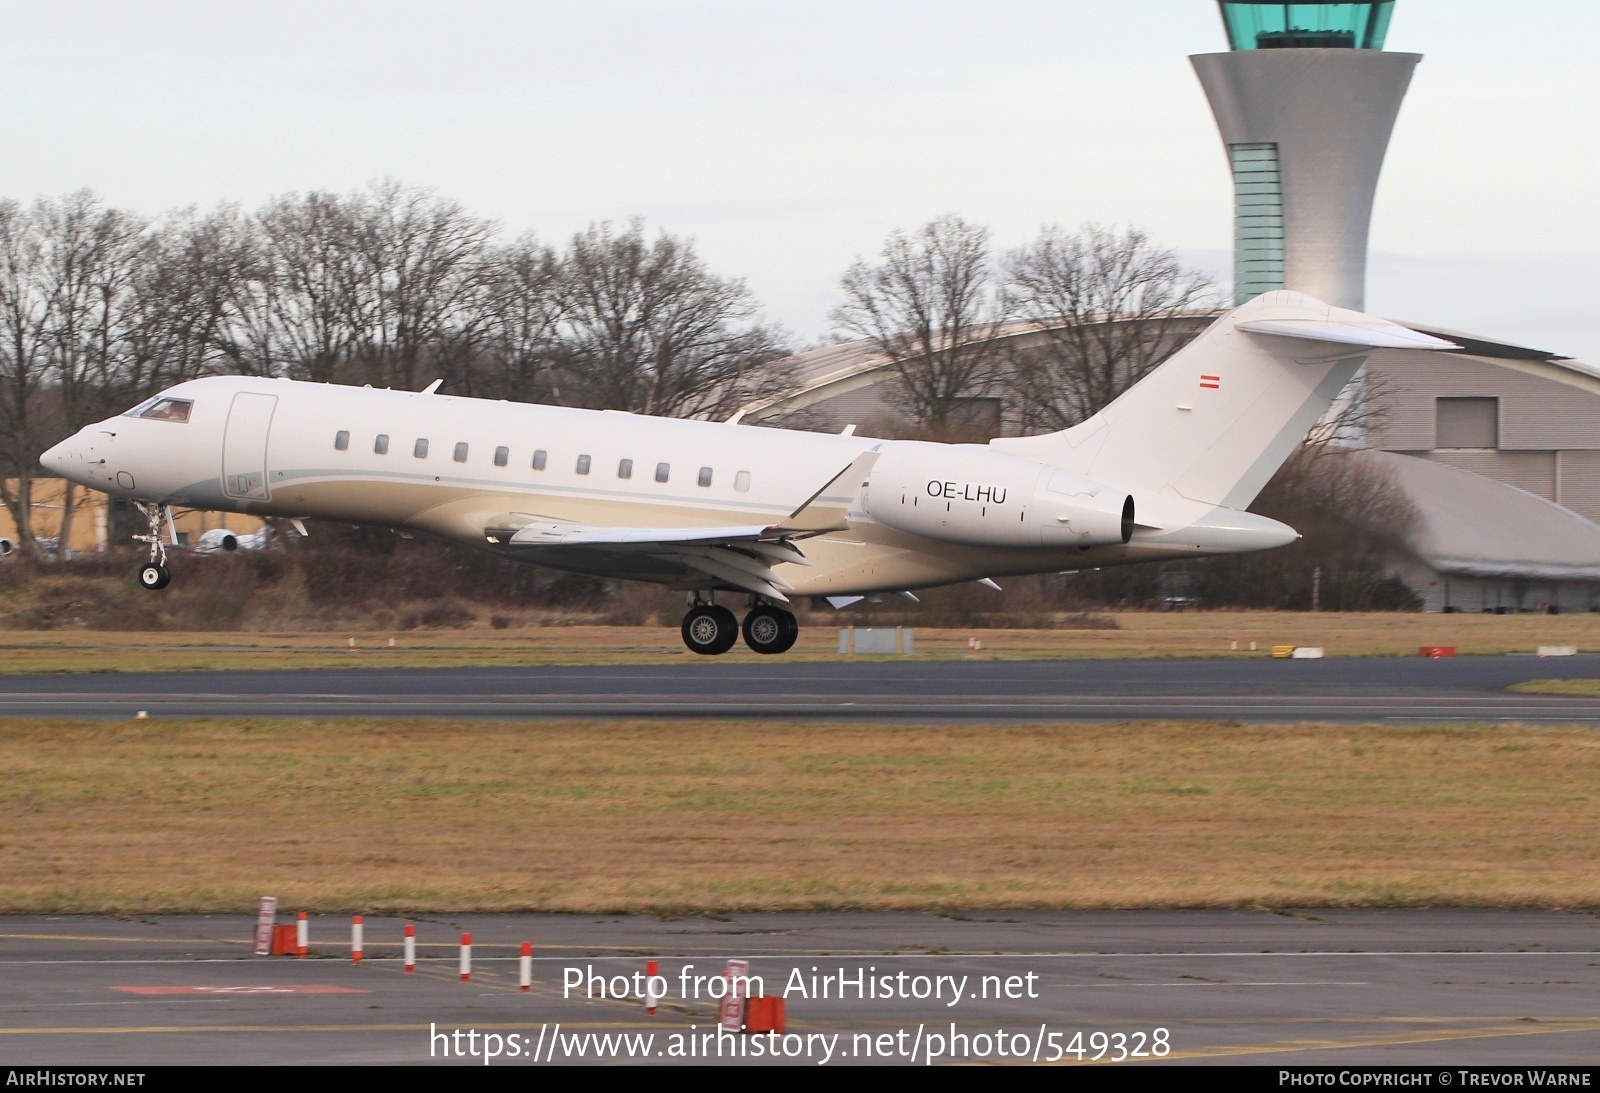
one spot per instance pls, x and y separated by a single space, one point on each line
831 370
1474 526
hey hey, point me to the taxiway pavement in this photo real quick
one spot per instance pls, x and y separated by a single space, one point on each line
1317 987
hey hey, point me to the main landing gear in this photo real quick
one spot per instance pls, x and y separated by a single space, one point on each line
154 574
711 629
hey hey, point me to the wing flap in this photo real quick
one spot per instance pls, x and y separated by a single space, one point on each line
740 556
559 533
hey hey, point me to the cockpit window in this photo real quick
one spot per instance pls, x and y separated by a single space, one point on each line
163 409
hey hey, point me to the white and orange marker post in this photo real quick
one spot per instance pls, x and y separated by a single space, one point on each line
732 1011
652 972
355 939
526 976
266 919
411 948
466 957
302 934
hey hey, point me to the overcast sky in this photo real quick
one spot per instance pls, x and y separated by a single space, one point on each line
788 139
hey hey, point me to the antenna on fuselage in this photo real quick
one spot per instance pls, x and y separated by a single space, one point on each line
432 387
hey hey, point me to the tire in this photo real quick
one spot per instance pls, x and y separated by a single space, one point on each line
710 630
770 630
154 576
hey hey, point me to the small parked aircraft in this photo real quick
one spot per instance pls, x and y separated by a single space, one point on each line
766 515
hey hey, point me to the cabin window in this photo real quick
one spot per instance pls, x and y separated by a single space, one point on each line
741 481
502 456
380 446
583 464
461 452
625 469
663 471
420 449
705 476
540 458
341 440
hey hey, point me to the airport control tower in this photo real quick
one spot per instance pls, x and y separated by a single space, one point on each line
1305 99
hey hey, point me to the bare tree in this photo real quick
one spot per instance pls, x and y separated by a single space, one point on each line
650 329
88 261
1106 307
1354 520
184 308
522 300
89 257
307 314
929 306
421 260
25 362
100 308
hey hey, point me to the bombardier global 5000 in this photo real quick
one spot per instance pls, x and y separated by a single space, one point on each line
758 515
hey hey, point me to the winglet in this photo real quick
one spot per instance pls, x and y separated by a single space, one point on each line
828 509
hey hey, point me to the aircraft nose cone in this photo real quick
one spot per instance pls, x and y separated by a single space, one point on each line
61 457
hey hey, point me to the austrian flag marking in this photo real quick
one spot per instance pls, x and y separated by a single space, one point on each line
1213 382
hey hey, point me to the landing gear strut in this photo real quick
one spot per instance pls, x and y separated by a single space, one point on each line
154 574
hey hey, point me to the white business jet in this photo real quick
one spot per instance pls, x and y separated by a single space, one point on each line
755 514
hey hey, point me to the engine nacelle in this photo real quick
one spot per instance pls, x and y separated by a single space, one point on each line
966 493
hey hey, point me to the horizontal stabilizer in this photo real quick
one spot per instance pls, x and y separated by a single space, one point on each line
1362 330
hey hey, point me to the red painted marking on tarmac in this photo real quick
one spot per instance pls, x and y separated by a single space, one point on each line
251 988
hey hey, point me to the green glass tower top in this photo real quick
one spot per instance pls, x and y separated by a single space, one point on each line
1311 24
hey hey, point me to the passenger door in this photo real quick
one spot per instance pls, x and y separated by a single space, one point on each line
244 446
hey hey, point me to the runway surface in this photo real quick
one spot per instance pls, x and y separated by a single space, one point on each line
1323 988
1410 689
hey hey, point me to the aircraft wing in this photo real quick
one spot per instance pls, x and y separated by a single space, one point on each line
742 556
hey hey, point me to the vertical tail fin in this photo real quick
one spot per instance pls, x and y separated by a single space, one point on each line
1215 421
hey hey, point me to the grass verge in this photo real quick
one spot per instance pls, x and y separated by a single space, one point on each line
194 816
1580 688
1135 634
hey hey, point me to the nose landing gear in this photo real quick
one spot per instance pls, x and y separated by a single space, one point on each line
154 574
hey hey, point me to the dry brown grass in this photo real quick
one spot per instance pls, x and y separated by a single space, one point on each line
679 817
1137 634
